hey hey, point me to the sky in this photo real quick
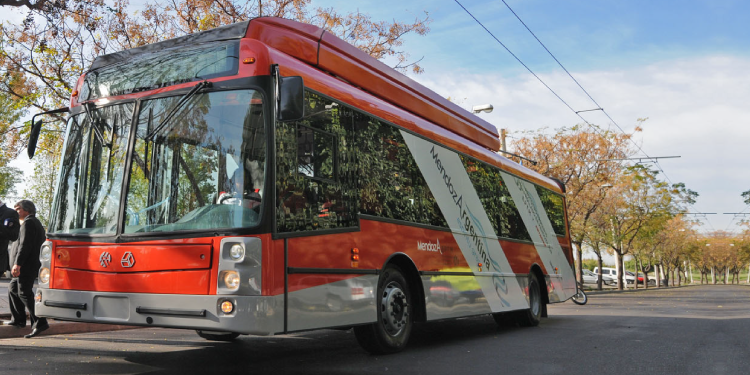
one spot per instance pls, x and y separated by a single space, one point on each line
680 64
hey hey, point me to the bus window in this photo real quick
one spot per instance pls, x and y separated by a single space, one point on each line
392 185
316 176
553 204
196 172
315 151
88 194
496 200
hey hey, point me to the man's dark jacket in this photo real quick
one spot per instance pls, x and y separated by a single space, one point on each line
25 251
8 232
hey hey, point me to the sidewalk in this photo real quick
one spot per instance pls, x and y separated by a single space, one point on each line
56 327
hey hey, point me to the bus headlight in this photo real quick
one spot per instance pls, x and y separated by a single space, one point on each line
231 279
237 252
44 275
240 266
46 253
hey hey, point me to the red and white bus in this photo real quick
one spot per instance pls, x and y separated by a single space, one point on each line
267 177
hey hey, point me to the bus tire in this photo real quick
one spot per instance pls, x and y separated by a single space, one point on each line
533 315
390 333
217 336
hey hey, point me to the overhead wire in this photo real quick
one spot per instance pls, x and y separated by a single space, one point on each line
599 107
735 217
525 66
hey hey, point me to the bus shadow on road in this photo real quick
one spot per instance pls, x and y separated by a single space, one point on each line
314 352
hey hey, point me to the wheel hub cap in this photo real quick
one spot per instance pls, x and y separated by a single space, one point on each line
394 309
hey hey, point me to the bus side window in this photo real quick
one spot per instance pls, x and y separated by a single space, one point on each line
496 199
553 204
314 164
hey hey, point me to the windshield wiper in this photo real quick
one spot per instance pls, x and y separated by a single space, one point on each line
94 125
176 108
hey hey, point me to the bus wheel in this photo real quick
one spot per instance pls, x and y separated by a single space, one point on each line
217 336
532 316
391 332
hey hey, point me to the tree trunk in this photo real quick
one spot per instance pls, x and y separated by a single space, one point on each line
599 263
713 275
671 276
726 275
660 275
579 266
618 264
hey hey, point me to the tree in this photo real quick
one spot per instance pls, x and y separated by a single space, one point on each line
580 157
647 244
596 239
639 197
10 113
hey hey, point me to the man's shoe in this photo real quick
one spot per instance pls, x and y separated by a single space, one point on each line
13 323
36 331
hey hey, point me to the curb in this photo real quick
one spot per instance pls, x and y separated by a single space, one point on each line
631 290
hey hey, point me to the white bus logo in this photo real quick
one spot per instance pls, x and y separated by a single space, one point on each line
429 246
105 259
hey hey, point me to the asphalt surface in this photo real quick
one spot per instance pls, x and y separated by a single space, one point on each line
690 330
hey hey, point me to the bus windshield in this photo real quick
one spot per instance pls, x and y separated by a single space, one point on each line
202 168
88 194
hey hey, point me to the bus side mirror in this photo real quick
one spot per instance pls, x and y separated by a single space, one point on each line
34 137
36 128
291 100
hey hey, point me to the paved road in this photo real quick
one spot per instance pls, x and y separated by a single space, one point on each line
692 330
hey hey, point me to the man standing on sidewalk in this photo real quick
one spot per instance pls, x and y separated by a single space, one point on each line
8 232
24 260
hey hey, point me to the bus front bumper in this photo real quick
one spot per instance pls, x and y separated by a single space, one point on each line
256 315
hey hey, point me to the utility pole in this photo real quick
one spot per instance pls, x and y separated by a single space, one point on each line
503 133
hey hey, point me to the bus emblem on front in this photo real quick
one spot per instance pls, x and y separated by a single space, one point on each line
105 259
128 260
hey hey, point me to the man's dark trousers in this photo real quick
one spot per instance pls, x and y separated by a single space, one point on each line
21 297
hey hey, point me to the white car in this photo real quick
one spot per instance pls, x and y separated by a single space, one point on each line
612 272
592 278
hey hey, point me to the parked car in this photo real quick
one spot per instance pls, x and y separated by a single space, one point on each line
632 277
589 277
651 278
629 277
593 278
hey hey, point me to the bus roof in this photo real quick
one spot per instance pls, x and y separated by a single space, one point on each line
323 50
